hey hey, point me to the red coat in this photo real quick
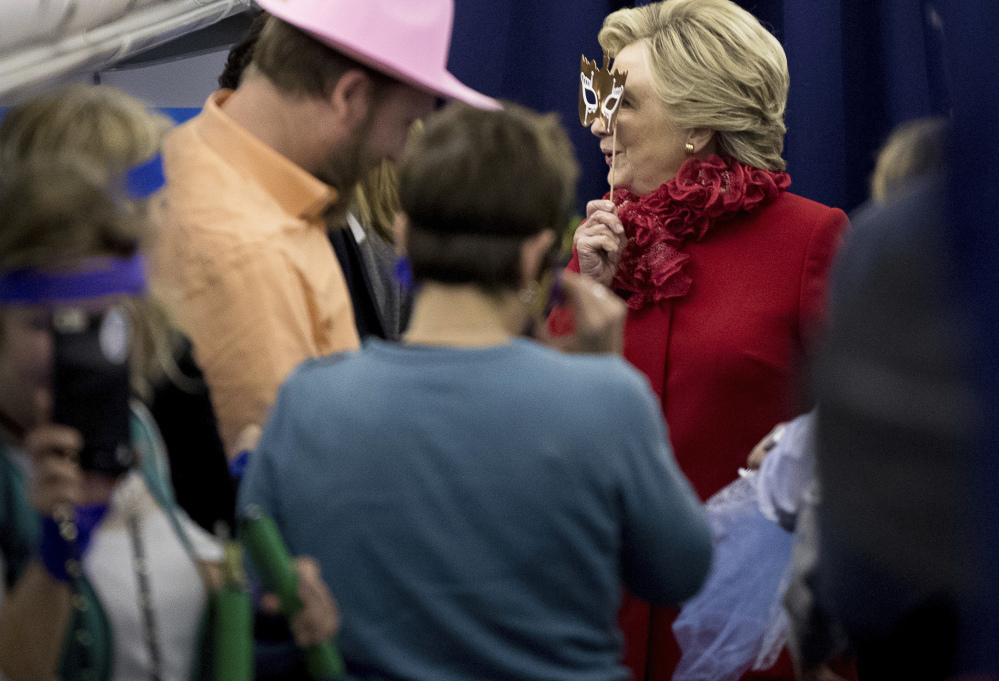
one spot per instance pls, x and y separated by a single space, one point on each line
727 361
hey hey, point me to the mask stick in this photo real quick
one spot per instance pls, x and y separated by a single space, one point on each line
613 160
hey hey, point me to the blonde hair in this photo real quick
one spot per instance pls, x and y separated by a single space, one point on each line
715 66
115 130
377 195
58 212
107 131
377 198
914 149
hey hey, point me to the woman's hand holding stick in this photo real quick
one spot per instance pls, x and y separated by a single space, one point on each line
599 241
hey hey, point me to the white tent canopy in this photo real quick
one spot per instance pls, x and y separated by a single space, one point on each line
45 40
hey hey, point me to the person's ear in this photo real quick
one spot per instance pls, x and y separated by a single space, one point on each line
532 254
700 138
400 230
352 98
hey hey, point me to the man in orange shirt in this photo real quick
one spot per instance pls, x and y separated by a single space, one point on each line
242 254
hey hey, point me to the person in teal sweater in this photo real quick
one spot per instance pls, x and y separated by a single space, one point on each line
475 499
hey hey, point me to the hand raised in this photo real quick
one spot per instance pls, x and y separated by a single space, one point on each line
599 242
54 450
598 315
764 446
319 618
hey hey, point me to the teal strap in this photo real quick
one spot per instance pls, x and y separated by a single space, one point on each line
156 473
87 646
88 650
156 470
20 526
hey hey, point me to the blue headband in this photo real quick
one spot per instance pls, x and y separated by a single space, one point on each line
31 286
145 179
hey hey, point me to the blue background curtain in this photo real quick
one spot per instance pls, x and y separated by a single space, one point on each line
858 68
527 51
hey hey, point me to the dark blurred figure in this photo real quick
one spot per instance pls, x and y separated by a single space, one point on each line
895 425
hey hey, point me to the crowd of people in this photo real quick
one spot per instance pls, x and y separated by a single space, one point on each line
334 298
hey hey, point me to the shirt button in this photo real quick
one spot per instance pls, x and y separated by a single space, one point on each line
83 637
80 603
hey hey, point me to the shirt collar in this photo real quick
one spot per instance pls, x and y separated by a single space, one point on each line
297 191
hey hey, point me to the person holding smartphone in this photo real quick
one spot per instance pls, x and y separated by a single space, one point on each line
117 131
105 577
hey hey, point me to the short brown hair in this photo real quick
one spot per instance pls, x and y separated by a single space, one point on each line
475 184
300 65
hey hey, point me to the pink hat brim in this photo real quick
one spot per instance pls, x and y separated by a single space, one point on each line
443 83
452 87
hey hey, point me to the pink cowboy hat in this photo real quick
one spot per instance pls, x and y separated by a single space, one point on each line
407 39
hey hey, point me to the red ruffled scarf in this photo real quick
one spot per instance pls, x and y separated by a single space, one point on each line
682 210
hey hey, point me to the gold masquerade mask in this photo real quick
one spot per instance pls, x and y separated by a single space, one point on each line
600 92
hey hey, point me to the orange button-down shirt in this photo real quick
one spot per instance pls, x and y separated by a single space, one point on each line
243 259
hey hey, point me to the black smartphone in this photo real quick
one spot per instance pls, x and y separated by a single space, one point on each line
552 289
91 386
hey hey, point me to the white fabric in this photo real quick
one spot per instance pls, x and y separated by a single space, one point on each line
356 228
42 41
788 472
736 622
178 593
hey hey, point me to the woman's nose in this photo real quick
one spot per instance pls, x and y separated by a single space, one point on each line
598 128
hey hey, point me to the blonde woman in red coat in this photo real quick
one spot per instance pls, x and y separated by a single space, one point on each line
723 269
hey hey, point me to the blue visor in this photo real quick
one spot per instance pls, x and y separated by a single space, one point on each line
100 277
144 180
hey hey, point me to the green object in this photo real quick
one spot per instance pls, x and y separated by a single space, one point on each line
323 661
233 636
266 549
233 621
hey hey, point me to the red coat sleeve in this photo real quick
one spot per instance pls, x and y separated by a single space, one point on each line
560 322
827 236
